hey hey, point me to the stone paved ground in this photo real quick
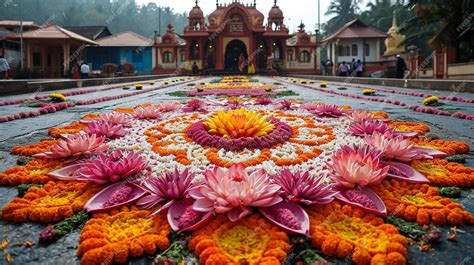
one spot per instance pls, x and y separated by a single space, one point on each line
30 130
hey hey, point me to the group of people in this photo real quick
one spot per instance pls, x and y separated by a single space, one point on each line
353 69
357 68
81 71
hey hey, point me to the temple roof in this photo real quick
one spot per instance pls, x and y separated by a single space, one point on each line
355 29
196 12
275 12
255 17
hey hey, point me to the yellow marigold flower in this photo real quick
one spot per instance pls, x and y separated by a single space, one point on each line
368 92
238 123
429 101
56 97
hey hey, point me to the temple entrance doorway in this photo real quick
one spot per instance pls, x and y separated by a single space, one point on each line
235 55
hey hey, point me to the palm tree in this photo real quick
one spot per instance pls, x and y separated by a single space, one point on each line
379 13
441 22
344 11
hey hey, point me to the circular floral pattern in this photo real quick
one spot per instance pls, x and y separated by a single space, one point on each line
295 139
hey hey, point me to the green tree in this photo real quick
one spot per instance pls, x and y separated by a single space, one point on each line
343 11
441 23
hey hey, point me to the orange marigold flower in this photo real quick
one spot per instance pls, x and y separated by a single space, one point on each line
53 203
329 246
443 173
249 240
397 247
33 172
337 234
423 217
420 203
344 249
29 150
455 217
410 127
449 147
361 256
218 259
72 128
395 258
203 245
208 253
120 234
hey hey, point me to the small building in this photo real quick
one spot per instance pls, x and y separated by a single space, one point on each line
122 48
52 50
91 32
355 40
10 49
233 36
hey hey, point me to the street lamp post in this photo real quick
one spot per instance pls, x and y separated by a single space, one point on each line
21 43
21 32
319 15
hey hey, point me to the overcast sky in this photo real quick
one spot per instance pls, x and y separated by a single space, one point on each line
293 10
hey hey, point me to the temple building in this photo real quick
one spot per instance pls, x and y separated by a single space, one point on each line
235 36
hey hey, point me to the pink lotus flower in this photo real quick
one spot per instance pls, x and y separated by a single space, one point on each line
147 113
304 188
369 127
263 101
395 148
168 106
75 146
234 192
311 105
106 129
366 151
170 188
352 168
195 105
328 110
284 105
117 118
359 116
109 167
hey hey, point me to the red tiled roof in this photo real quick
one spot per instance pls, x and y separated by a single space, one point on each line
355 29
52 32
125 39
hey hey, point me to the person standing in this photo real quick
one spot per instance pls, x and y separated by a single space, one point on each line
4 67
75 71
85 70
195 69
359 68
343 69
401 67
329 65
352 69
